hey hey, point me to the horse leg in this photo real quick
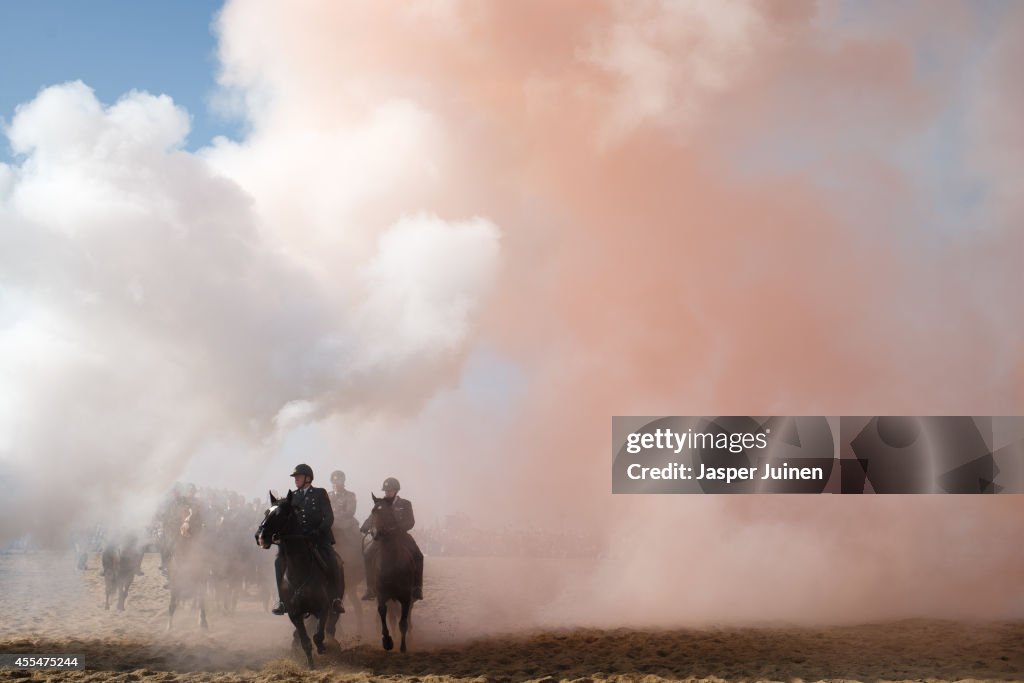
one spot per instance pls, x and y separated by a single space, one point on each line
170 608
202 610
394 612
332 624
382 610
403 623
321 623
300 628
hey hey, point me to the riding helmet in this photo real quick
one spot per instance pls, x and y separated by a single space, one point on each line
303 469
337 475
391 484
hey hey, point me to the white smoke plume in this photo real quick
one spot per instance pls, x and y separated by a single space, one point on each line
151 304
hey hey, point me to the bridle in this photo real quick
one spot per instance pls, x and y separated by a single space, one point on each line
277 537
376 531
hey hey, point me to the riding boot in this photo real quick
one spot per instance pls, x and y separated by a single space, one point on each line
280 608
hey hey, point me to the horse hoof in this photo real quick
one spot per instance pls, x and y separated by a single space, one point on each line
387 643
401 648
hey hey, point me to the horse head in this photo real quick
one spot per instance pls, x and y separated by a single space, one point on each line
277 521
382 516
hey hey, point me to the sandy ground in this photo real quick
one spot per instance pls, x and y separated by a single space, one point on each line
463 631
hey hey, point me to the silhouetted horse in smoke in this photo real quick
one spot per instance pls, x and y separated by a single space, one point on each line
187 570
121 561
305 581
396 575
228 561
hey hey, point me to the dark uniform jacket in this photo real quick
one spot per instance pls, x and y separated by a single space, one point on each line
344 507
403 516
315 514
344 504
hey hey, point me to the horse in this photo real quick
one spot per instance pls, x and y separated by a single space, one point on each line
187 573
396 568
305 579
121 561
228 564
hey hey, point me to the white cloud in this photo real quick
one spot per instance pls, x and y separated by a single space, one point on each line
170 299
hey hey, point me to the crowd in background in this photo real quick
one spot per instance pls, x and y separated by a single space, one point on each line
235 518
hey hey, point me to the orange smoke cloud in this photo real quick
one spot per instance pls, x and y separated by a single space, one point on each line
704 211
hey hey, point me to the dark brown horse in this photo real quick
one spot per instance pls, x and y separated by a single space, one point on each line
121 560
188 572
305 579
396 575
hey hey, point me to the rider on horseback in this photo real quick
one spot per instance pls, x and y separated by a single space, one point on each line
343 503
316 518
403 515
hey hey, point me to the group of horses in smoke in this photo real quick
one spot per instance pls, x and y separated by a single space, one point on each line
198 556
306 580
188 558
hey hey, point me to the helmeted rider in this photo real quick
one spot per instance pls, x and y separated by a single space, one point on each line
316 517
405 520
343 503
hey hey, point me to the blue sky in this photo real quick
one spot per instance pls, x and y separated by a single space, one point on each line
113 46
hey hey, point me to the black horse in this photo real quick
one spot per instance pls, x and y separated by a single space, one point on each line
305 578
396 574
